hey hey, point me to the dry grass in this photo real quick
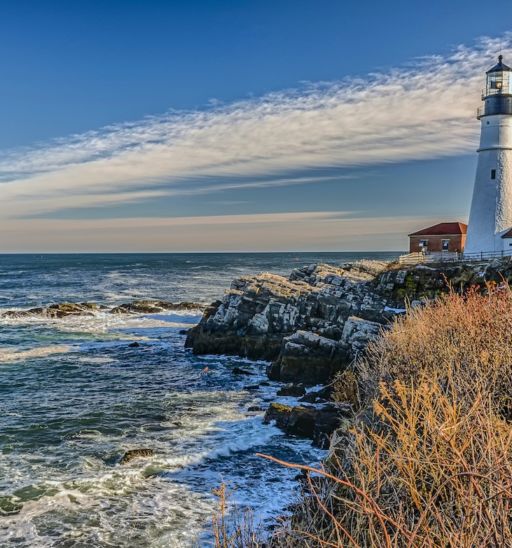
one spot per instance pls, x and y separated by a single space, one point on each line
429 462
463 341
232 527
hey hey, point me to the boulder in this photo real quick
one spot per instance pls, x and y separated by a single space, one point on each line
254 408
279 413
240 371
316 423
317 396
294 390
298 421
132 454
309 358
357 333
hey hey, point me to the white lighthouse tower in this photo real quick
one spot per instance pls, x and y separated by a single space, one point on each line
490 219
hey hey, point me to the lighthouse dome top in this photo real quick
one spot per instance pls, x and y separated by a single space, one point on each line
500 66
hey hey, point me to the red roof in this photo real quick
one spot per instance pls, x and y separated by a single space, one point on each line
508 234
442 229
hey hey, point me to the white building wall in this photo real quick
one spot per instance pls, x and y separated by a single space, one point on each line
491 206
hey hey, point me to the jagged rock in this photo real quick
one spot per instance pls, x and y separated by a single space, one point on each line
317 396
135 454
240 371
254 408
294 390
251 319
61 310
258 312
309 358
427 281
317 423
58 310
357 333
152 307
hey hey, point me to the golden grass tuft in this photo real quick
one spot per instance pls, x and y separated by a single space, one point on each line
462 341
233 527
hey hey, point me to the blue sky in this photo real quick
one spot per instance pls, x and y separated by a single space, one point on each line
232 125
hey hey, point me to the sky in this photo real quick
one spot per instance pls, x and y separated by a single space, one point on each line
239 125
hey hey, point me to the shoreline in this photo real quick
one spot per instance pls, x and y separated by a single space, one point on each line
313 326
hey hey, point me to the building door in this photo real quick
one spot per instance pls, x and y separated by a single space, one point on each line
445 245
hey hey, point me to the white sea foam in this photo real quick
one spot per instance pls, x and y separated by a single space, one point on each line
174 506
7 356
201 435
95 359
105 320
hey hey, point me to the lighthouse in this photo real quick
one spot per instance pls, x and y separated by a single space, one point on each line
490 218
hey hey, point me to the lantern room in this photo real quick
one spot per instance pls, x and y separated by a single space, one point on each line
499 79
498 91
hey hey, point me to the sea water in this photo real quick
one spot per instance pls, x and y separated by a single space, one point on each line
74 396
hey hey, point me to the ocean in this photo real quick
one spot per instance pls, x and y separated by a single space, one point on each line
75 394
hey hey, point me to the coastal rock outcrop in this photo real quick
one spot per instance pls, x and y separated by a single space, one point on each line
259 312
309 325
317 423
61 310
312 324
152 307
308 357
58 310
132 454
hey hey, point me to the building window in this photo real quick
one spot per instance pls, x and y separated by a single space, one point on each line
493 174
423 244
445 245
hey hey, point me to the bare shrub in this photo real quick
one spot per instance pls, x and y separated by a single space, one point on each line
463 341
428 460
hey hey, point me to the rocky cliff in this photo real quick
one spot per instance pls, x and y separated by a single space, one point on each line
314 323
286 319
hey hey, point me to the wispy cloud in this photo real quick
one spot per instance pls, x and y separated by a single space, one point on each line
423 110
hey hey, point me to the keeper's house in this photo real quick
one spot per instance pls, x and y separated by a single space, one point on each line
443 237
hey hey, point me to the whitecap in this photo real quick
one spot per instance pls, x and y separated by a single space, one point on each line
33 353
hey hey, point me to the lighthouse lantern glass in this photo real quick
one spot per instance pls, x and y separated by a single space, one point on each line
498 82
